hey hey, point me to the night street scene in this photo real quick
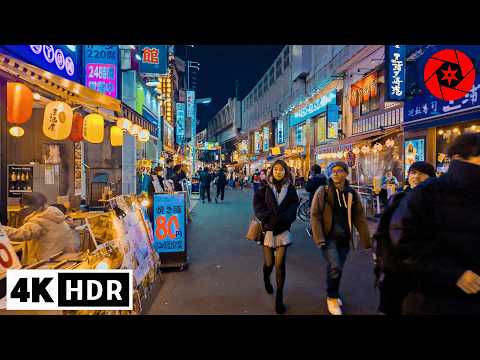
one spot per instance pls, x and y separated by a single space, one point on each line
240 180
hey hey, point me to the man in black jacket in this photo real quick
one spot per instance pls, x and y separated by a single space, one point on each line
221 182
205 180
435 233
315 180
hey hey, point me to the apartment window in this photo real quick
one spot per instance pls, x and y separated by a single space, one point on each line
278 66
286 57
272 75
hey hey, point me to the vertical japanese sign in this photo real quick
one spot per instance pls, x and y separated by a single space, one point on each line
180 122
266 138
280 132
395 65
257 142
332 121
101 68
153 60
169 223
322 129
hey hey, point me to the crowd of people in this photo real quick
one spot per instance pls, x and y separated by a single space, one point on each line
425 251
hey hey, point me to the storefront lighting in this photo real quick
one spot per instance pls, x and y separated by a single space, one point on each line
145 203
144 135
135 130
124 124
389 143
365 149
474 127
138 57
377 147
16 131
19 103
57 120
116 136
36 96
356 150
105 264
456 130
93 128
345 154
440 132
339 154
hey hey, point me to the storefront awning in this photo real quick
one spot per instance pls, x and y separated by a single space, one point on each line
371 136
57 85
138 119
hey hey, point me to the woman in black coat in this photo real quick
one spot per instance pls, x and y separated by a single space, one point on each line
275 205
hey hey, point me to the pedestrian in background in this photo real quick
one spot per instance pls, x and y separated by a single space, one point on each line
205 180
275 205
435 233
393 281
315 180
333 214
256 180
221 182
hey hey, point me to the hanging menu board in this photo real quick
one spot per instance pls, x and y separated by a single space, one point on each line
20 180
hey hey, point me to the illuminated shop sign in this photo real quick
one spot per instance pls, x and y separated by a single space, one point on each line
314 108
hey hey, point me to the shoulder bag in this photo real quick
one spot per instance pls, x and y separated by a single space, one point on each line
255 230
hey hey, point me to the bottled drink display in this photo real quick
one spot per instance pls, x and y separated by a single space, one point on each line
20 180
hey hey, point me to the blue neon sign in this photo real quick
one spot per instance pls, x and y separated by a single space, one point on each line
313 109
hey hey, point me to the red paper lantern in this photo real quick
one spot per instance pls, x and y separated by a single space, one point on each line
19 103
77 128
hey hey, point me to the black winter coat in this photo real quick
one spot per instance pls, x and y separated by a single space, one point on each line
314 183
436 234
273 217
221 179
205 178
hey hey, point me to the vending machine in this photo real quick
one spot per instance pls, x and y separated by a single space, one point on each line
45 179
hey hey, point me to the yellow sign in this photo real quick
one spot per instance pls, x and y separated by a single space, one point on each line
276 150
321 129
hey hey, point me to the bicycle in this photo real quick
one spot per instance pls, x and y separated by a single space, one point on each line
303 212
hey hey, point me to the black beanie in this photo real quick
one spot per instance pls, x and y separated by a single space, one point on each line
340 164
423 167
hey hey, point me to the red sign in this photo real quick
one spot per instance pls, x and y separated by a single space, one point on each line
449 74
150 55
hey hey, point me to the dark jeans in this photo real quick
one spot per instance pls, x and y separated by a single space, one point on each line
255 187
335 257
203 189
220 191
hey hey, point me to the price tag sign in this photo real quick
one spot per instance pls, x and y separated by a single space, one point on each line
169 223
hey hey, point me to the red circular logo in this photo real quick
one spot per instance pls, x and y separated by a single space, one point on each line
449 74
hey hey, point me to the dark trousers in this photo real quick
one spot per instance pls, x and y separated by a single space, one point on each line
394 288
203 189
335 257
220 191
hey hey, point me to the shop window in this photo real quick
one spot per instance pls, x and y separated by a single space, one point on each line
278 66
286 57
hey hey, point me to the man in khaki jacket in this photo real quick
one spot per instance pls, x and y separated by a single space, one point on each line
334 210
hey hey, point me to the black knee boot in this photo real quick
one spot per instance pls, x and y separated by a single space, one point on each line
279 306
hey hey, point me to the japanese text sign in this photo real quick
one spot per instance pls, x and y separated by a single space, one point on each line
364 89
180 123
395 66
169 222
153 59
101 68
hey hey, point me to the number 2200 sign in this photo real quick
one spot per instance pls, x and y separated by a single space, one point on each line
169 223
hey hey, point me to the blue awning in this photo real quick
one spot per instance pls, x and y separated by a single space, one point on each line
443 121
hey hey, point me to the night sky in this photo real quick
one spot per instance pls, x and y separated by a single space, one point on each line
220 66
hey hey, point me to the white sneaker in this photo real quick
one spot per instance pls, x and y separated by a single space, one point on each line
333 306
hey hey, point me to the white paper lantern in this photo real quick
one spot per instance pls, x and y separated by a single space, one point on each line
365 149
124 124
144 135
356 150
135 130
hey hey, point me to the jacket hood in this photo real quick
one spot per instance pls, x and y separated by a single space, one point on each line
52 214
